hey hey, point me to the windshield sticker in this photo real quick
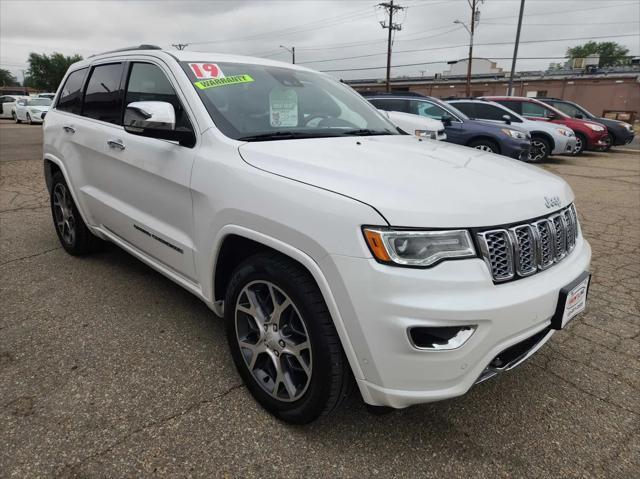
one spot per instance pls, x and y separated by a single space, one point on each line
206 70
283 107
216 82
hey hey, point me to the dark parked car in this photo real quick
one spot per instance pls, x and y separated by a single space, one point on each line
502 139
620 133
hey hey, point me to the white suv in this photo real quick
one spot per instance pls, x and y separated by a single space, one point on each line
338 251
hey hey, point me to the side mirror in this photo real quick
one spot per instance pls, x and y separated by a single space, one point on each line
579 116
507 119
551 116
155 119
446 120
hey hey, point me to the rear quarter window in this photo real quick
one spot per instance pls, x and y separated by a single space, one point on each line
70 99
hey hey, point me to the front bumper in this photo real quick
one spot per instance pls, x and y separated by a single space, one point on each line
564 145
516 149
382 303
597 141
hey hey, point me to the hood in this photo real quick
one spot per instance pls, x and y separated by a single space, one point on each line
578 123
415 183
410 122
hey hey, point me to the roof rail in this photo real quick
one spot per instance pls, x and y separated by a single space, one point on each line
127 49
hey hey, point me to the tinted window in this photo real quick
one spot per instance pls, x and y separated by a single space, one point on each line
511 105
391 104
466 108
71 95
569 109
424 108
147 82
535 110
103 97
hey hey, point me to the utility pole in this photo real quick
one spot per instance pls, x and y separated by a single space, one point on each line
391 8
475 19
180 46
515 49
291 50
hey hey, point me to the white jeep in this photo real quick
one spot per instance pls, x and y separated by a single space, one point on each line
339 251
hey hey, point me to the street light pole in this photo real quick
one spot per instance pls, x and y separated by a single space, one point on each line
515 49
291 50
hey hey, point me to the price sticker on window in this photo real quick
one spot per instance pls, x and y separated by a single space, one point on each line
206 70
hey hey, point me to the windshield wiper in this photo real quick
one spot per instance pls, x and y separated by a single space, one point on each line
279 135
366 132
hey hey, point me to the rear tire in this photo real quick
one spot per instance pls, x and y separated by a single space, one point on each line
74 236
540 150
291 358
581 143
485 145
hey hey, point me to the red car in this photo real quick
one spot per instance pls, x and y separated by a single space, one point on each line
589 134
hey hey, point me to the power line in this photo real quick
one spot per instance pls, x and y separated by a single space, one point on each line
464 45
454 61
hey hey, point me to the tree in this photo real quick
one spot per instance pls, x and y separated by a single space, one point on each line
611 53
46 71
7 78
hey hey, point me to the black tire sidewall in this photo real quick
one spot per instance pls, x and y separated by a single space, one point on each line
313 402
583 139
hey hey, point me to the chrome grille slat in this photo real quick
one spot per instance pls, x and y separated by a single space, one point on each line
524 249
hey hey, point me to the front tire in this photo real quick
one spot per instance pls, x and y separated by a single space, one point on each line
485 145
609 142
540 150
74 236
29 122
15 117
581 143
283 340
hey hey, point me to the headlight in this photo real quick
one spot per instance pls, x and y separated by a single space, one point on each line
564 132
417 248
426 134
520 135
595 127
626 125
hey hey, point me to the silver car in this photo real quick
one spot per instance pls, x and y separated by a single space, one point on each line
546 138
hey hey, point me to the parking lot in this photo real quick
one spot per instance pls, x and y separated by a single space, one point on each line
107 369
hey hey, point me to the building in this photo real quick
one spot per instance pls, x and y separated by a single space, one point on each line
610 91
479 66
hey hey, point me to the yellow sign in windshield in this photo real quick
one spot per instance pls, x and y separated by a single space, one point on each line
216 82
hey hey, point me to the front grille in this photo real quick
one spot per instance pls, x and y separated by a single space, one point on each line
527 248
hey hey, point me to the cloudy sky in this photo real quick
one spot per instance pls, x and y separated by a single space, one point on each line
327 34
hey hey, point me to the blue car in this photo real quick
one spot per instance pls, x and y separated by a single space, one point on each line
502 139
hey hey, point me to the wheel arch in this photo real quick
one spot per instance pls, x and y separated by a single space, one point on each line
492 139
233 238
545 136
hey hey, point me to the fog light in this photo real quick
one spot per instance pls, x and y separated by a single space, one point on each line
440 338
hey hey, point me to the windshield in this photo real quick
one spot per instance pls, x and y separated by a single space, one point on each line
257 102
39 102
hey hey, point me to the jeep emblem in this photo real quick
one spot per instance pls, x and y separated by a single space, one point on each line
552 201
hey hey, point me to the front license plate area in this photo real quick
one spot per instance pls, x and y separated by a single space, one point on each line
572 301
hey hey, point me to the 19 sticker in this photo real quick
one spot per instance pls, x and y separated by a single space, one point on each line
206 70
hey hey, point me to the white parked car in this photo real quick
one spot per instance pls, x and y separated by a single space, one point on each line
31 110
8 105
337 250
546 138
416 124
50 96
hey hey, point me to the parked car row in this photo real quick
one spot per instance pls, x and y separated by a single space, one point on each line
30 109
524 128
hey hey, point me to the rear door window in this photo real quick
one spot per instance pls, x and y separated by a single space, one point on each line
511 105
103 96
70 99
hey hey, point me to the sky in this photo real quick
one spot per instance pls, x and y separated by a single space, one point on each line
325 33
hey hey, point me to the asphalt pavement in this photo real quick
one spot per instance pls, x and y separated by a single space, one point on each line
108 369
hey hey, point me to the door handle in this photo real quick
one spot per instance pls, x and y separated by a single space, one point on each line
69 129
115 144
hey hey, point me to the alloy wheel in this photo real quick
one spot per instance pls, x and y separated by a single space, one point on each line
578 147
538 151
273 340
63 213
484 148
